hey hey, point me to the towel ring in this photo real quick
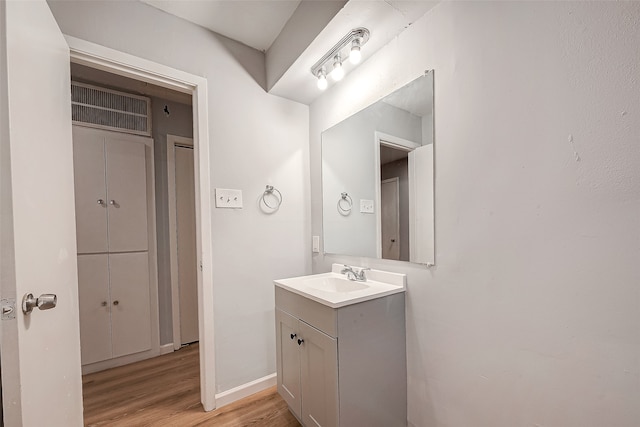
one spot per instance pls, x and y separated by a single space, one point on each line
345 203
270 191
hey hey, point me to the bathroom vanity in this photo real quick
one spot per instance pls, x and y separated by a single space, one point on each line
341 351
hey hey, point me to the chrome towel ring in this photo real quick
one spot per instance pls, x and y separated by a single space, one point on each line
345 203
271 191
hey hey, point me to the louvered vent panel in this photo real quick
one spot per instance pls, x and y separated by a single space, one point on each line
108 109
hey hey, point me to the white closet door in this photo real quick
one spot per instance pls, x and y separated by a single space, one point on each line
126 194
130 303
90 191
186 233
95 322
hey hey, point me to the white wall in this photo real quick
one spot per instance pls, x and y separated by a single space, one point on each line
348 151
256 139
532 313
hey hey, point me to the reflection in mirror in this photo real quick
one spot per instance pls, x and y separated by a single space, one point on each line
381 158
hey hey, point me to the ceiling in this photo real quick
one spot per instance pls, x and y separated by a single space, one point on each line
255 23
296 33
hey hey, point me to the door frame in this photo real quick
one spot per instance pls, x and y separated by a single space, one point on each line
172 141
106 59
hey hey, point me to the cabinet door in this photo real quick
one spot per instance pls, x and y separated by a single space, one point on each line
90 190
319 377
288 360
130 303
95 316
126 194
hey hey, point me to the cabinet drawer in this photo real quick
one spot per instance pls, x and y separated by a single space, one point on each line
315 314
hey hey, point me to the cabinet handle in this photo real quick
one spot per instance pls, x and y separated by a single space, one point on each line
116 302
300 341
101 202
114 203
103 303
293 336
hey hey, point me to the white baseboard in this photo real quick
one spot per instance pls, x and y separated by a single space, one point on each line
240 392
166 348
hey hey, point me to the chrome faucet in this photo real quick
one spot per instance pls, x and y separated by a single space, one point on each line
352 275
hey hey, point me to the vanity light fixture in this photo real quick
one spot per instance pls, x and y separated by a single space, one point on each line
349 46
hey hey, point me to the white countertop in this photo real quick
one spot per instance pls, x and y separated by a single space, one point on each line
335 290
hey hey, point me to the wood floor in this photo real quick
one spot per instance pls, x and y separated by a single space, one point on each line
165 391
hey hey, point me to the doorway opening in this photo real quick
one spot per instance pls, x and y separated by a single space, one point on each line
394 203
150 73
126 296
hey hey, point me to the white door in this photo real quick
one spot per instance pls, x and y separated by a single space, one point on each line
90 191
126 194
390 217
40 351
421 205
95 310
186 238
130 309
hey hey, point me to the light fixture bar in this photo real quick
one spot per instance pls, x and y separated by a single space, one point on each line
361 34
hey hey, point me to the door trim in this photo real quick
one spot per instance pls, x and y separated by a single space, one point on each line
116 62
172 141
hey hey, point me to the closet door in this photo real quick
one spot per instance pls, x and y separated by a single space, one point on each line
90 191
95 314
126 194
130 303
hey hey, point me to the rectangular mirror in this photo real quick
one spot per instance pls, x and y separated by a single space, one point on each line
378 178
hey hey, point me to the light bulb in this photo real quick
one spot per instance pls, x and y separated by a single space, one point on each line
322 80
337 73
355 56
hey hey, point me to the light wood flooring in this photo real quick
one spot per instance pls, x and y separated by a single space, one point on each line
165 391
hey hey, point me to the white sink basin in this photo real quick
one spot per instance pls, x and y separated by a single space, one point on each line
335 290
335 284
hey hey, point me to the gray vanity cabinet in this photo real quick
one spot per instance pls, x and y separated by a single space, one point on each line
309 369
342 366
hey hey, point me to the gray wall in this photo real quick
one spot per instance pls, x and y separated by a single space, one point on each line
179 122
531 315
255 139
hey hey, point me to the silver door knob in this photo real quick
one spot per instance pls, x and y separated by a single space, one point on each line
43 302
113 202
101 202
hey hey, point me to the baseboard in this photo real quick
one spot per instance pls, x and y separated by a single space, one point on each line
240 392
166 348
120 361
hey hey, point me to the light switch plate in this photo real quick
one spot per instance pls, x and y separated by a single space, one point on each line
316 244
226 198
366 206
